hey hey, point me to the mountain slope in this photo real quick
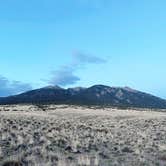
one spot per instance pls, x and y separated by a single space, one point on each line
116 96
46 94
95 95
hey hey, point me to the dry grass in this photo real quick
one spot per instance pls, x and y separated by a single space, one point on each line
78 136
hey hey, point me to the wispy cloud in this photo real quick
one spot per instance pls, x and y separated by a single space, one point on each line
65 75
82 58
8 87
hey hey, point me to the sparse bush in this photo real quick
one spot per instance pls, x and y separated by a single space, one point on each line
12 163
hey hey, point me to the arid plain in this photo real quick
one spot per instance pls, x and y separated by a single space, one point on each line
65 135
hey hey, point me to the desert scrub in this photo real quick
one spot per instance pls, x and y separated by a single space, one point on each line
79 136
12 163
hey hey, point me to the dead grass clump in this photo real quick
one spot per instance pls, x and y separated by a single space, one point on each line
163 158
127 150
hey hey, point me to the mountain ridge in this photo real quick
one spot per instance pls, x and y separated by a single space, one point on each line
94 95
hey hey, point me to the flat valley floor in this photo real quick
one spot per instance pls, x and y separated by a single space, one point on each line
35 135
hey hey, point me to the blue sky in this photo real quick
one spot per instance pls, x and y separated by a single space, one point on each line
81 43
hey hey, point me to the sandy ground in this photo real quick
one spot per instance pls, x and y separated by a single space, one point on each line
79 136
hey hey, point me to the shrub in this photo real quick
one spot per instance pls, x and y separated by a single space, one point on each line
12 163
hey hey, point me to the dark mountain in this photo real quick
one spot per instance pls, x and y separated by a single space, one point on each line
43 95
95 95
117 96
75 91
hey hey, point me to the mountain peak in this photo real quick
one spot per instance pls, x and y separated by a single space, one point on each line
130 89
52 87
94 95
99 86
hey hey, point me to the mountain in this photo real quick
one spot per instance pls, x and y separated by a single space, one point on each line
117 96
42 95
75 91
95 95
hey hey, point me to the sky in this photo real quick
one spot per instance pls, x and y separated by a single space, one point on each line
81 43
